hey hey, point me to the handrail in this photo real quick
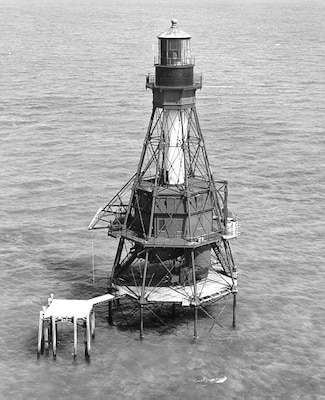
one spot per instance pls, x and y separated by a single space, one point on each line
151 80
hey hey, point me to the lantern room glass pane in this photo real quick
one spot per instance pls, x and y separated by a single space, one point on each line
174 51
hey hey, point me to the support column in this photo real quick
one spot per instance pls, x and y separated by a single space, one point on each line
195 323
234 311
87 337
75 336
40 335
143 292
196 300
54 335
141 321
93 323
46 334
234 291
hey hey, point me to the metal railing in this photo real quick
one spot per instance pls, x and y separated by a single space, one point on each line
151 81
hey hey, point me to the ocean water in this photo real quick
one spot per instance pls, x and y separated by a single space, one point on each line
73 115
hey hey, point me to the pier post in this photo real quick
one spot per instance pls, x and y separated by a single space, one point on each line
54 335
40 335
46 333
92 323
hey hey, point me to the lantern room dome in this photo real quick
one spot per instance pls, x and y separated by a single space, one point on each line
174 32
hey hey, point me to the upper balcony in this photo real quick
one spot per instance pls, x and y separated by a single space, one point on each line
165 83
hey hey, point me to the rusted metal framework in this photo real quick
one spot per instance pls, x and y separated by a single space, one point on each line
172 217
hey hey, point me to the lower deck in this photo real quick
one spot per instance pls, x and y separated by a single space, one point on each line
214 286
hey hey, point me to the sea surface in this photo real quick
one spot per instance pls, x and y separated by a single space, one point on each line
73 115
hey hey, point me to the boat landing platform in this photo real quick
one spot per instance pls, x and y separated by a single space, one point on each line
64 310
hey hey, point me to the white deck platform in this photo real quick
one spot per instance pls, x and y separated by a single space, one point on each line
65 310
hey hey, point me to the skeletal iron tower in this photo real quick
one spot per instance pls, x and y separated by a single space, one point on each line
171 218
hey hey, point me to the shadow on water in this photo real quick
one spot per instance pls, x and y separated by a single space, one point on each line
73 277
169 319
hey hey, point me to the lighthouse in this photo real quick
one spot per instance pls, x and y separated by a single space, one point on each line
171 218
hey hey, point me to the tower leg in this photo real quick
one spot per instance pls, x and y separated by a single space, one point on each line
141 321
87 333
143 291
75 336
195 336
234 311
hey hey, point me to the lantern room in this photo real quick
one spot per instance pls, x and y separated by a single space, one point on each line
174 47
174 63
